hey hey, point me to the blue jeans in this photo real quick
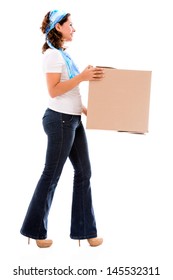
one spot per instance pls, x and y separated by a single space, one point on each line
66 138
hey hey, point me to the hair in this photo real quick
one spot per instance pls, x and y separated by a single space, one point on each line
54 36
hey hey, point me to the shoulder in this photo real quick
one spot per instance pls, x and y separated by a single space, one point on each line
53 61
51 54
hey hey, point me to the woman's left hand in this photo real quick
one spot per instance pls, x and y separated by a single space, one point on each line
84 110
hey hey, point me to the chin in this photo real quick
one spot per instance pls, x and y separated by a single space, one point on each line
69 39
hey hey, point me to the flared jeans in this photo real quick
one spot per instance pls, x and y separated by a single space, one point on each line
66 139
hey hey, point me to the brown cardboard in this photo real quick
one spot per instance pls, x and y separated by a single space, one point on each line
120 101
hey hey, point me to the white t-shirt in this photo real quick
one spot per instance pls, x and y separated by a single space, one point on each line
69 102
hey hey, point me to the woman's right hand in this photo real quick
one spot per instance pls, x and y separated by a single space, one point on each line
91 73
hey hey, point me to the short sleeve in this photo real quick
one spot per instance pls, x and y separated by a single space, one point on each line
52 62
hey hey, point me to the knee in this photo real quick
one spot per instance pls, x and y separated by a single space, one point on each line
84 172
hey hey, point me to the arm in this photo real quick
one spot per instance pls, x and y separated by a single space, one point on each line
56 87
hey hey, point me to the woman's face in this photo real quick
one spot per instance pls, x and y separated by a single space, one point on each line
66 30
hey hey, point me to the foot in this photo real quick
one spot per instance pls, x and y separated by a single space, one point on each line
95 241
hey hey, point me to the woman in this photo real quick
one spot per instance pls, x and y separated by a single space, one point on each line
66 137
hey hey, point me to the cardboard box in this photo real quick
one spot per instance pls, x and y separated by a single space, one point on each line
120 101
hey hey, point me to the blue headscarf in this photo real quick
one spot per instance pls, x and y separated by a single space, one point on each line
55 17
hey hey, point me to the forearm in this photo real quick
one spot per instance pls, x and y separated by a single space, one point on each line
56 87
65 86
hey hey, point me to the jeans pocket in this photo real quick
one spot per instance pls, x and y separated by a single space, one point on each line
50 127
66 118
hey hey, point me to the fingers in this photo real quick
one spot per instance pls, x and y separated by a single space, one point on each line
97 73
92 73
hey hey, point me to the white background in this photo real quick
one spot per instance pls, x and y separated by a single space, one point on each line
132 174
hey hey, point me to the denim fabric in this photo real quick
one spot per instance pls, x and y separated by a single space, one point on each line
66 139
